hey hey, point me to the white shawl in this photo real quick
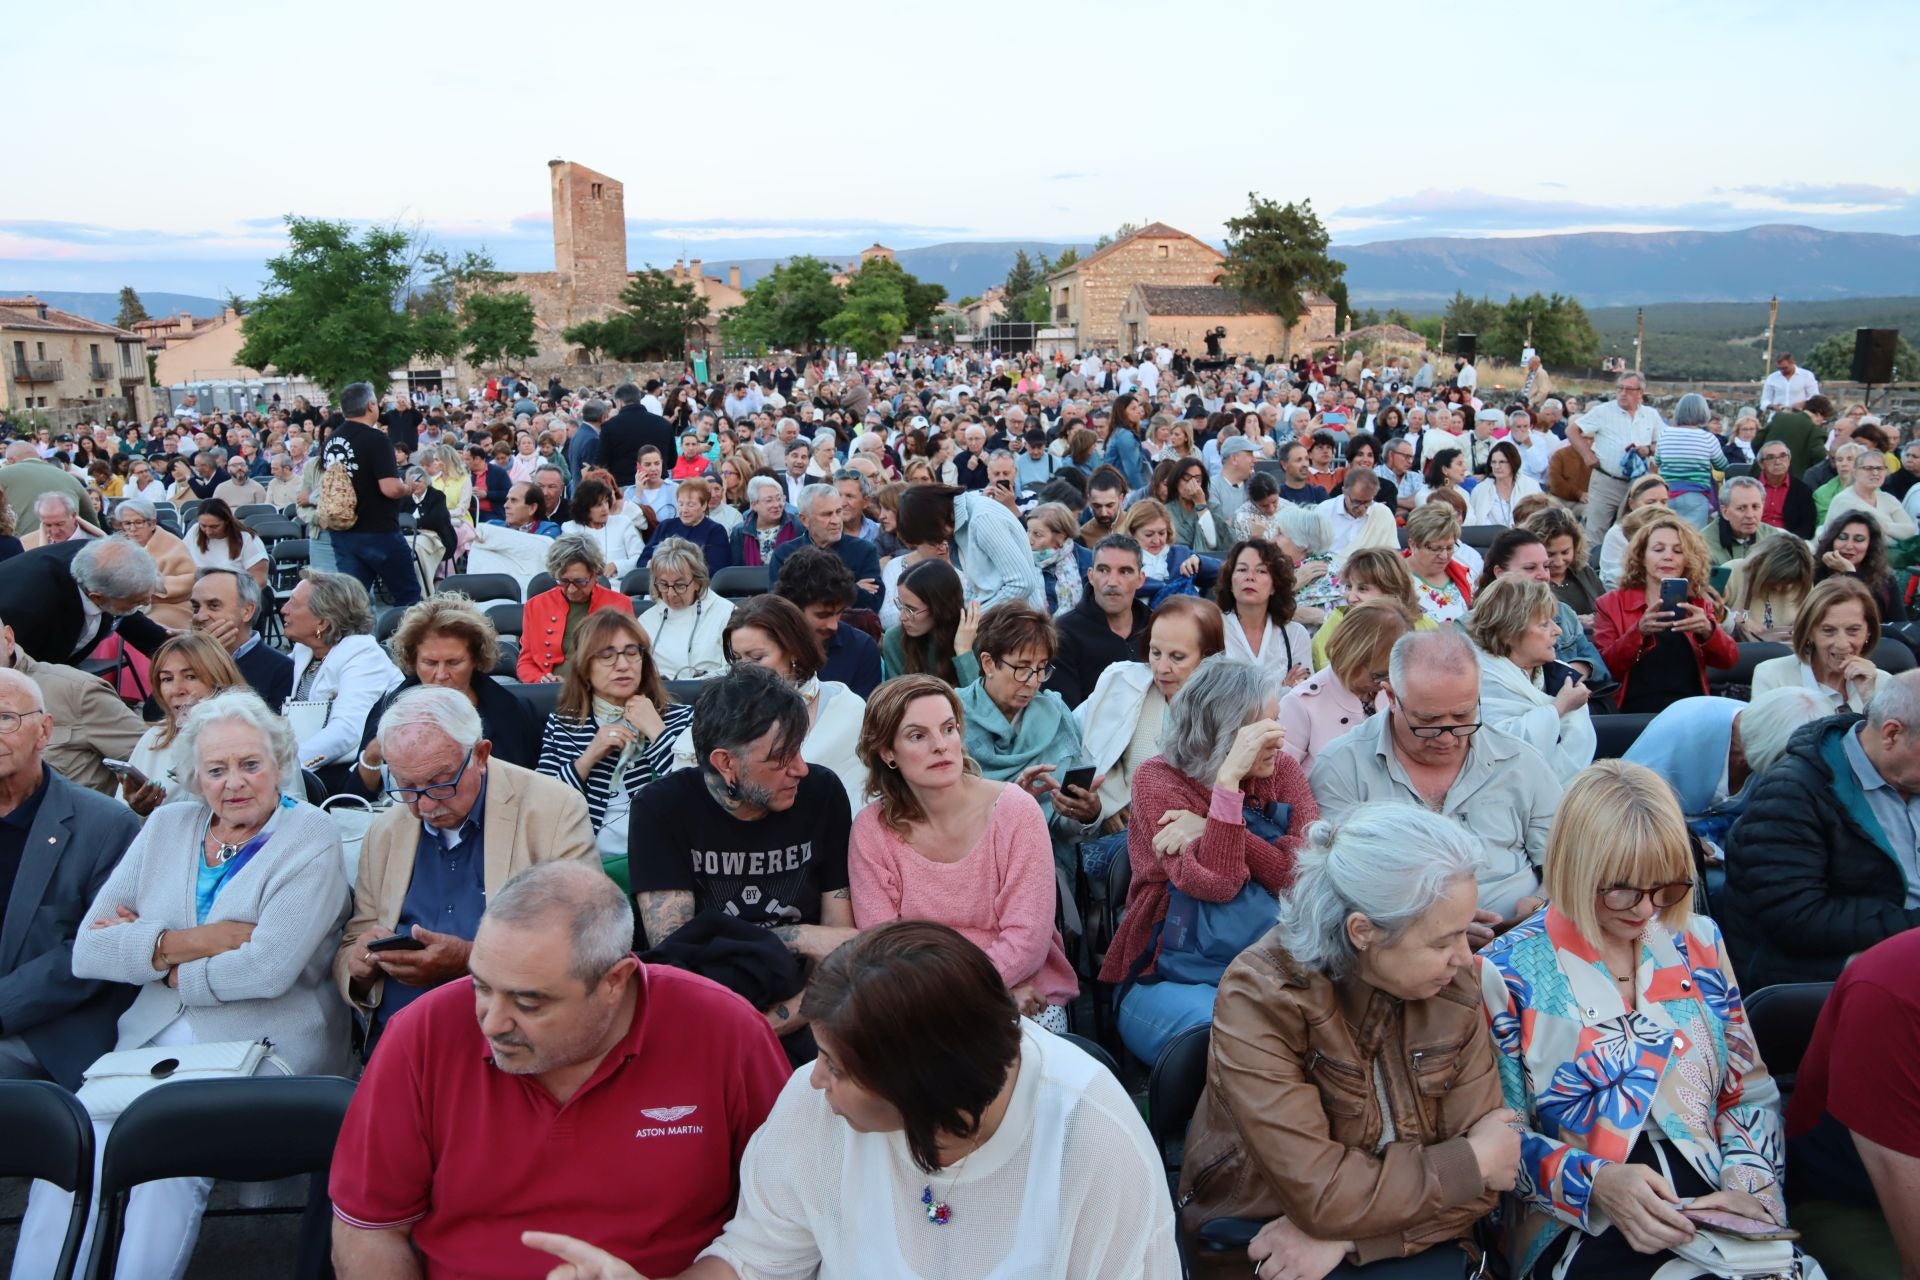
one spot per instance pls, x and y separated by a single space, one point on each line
1513 703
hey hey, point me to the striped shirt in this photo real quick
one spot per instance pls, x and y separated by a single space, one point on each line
991 550
565 738
1688 456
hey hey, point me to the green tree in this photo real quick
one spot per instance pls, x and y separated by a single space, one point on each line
1832 359
496 329
656 313
330 311
1021 278
132 312
237 304
1276 253
1026 288
1120 233
1068 257
1562 334
1342 308
921 298
461 311
1428 327
1396 316
875 314
787 307
1471 315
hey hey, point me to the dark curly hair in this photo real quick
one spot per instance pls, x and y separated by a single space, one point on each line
812 574
1873 567
1280 606
589 495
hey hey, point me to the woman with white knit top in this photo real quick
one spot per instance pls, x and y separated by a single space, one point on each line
688 626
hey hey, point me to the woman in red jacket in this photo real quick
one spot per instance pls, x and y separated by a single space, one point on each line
1661 657
551 619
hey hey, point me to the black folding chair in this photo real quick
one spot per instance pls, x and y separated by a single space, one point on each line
637 582
1173 1094
508 619
1615 733
1783 1018
49 1137
685 691
1737 681
1094 1051
741 582
480 586
539 700
255 1130
254 510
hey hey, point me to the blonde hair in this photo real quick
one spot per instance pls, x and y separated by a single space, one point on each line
1505 608
1145 512
1432 523
1366 630
207 660
1383 569
1691 546
1619 824
1824 599
452 615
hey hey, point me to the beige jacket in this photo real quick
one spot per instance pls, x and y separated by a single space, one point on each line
1540 389
530 819
90 723
173 607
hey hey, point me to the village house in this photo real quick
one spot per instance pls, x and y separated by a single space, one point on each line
1089 295
1182 315
56 360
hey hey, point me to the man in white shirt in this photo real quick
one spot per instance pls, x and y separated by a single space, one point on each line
1614 427
1464 375
1346 511
1536 447
1149 374
1788 386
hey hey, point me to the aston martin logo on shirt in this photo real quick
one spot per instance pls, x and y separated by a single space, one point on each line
667 1115
667 1122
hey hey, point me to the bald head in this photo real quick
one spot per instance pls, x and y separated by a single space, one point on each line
21 451
19 694
1422 657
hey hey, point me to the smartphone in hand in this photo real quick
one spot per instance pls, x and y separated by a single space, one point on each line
1673 595
398 942
1738 1225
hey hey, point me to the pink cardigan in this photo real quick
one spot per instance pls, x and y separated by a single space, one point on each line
1315 712
1001 896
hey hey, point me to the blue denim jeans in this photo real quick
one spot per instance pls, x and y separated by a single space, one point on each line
384 557
320 551
1693 508
1152 1013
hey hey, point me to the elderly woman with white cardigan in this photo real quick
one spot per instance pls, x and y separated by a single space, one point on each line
1514 630
224 915
339 669
688 625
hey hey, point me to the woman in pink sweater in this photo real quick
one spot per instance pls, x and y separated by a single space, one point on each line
944 844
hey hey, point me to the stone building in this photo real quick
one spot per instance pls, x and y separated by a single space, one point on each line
1181 315
57 361
844 276
720 295
202 360
589 259
162 331
984 310
1089 295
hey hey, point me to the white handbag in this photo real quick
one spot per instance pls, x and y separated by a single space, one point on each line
116 1080
1713 1253
353 815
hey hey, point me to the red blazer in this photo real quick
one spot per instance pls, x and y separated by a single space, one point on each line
1616 633
543 626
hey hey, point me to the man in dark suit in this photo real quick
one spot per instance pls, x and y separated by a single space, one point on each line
63 600
626 431
226 607
583 446
58 844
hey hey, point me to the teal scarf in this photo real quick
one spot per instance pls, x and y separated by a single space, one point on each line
1047 734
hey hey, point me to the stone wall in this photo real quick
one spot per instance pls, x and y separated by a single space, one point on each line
1096 293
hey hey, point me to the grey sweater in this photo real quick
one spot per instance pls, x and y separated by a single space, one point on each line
276 985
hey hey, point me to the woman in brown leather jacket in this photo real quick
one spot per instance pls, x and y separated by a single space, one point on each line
1352 1101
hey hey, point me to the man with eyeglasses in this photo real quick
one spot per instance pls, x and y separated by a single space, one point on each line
461 826
58 844
1430 749
1788 502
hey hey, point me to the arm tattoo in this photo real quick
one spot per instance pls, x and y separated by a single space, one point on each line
664 912
841 894
780 1013
787 933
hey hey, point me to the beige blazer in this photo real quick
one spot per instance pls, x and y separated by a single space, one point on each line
173 607
530 819
89 722
1542 387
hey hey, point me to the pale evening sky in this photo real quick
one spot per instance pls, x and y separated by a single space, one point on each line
168 141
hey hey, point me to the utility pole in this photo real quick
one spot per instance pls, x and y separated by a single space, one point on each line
1639 335
1773 317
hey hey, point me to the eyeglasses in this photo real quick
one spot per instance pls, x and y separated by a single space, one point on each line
1021 671
672 585
614 653
575 584
10 721
1429 732
414 795
1623 897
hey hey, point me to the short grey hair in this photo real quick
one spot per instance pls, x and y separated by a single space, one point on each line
1692 411
136 506
574 548
245 589
116 568
1553 403
594 412
1735 484
813 494
339 600
415 473
1747 413
1222 695
756 485
548 466
243 706
1897 701
1630 376
356 399
1519 415
1389 862
1848 451
429 706
8 676
1770 720
849 473
57 498
598 917
1445 649
682 554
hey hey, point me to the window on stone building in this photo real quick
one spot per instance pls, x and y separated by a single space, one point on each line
596 191
1162 249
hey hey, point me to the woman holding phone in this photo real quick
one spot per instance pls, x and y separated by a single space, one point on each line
1657 632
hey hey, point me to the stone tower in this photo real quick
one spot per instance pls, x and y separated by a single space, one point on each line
589 238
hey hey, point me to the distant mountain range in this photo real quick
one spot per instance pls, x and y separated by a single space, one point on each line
1601 269
105 307
1630 268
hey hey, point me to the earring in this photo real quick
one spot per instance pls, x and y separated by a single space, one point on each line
892 764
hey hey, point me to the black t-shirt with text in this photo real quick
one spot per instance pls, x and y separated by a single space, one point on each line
368 456
770 872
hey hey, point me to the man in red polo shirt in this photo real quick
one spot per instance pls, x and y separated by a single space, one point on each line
592 1095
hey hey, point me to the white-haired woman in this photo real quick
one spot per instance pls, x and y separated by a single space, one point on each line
1352 1105
137 520
339 669
688 627
1687 455
223 915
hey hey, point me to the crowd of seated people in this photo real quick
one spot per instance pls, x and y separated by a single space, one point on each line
845 772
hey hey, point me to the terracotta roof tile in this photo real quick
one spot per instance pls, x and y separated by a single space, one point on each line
1152 231
25 313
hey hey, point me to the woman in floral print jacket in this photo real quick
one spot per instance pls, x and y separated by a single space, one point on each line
1622 1040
